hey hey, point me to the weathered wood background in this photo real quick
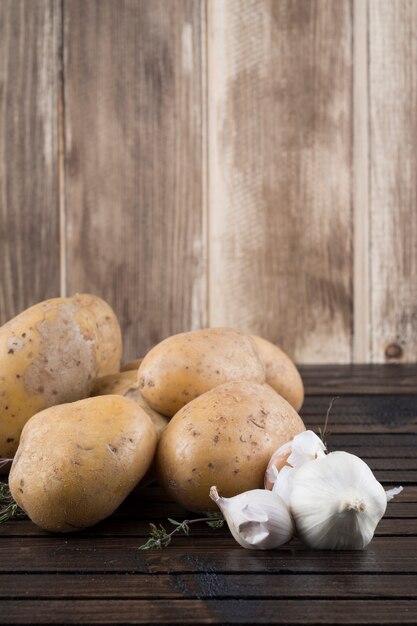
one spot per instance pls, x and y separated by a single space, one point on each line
215 162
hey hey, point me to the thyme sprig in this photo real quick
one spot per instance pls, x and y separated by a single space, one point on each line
160 538
8 507
325 432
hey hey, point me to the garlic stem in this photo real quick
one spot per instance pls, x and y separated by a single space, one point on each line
214 494
354 505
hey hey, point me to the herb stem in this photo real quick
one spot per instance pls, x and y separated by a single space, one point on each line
160 538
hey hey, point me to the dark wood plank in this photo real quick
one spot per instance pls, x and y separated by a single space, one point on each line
280 124
203 554
206 585
135 150
358 379
240 611
362 408
391 525
393 181
29 208
400 441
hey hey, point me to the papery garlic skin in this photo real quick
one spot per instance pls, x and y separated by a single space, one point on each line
336 502
305 446
283 483
258 519
391 493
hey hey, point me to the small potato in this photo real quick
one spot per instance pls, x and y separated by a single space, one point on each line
184 366
225 437
125 384
281 372
51 354
131 365
77 462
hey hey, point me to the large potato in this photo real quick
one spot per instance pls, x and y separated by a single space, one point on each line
224 437
50 354
125 384
77 462
184 366
281 372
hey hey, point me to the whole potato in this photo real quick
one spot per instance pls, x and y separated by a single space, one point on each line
50 354
224 437
77 462
184 366
125 384
281 372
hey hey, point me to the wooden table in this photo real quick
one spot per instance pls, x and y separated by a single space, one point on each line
100 577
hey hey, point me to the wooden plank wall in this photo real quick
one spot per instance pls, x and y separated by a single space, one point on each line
216 162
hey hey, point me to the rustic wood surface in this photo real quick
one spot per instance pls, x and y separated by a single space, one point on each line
99 576
393 184
280 77
213 162
29 212
134 155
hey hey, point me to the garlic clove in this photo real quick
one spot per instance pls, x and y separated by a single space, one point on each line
303 447
277 461
257 519
306 446
283 483
336 502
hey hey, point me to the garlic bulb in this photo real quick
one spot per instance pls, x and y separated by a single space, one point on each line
336 502
257 519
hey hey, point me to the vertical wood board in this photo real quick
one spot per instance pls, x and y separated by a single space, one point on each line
135 153
280 172
393 179
29 210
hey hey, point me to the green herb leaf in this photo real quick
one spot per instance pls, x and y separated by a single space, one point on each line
160 538
8 507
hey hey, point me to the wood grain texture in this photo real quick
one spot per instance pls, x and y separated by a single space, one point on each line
84 554
393 159
360 379
29 212
213 611
98 576
280 169
135 150
188 586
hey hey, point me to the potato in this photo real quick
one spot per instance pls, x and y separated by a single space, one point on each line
50 354
77 462
224 437
281 372
126 384
184 366
131 365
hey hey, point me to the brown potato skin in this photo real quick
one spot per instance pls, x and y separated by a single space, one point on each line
224 437
281 372
125 384
51 354
77 462
184 366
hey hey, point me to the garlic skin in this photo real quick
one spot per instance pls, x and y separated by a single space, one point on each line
391 493
258 519
336 502
283 483
305 446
